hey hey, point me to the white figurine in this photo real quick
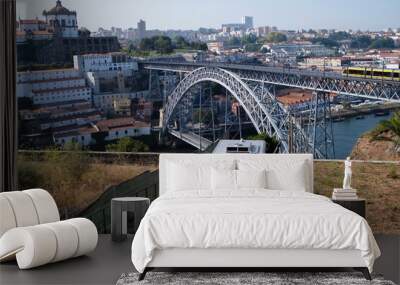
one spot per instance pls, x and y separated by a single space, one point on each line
347 174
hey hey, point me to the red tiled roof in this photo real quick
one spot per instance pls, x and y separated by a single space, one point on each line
119 123
294 98
31 22
42 33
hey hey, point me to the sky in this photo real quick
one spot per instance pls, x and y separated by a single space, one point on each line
193 14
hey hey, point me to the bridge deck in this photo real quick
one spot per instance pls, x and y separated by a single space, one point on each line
193 139
262 68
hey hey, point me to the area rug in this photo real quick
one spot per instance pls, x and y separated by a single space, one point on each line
239 278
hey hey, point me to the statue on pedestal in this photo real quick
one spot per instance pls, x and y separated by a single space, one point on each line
347 174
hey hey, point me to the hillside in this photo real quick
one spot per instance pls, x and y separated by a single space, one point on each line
366 149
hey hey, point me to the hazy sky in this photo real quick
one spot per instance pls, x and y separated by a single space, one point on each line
192 14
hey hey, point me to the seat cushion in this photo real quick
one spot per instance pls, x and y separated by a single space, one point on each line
23 208
7 220
45 205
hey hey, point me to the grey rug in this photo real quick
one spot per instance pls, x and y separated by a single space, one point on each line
239 278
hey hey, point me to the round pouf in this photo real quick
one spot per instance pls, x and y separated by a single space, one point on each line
119 209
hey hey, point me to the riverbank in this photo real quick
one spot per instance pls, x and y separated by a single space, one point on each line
366 110
348 131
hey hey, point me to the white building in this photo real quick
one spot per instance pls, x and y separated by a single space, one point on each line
113 129
123 127
52 86
117 61
216 47
82 135
62 20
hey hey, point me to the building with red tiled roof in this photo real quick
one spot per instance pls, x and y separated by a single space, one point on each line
123 127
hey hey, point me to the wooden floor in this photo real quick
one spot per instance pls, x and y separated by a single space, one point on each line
106 264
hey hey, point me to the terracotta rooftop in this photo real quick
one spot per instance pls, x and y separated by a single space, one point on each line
294 98
42 33
32 22
80 131
119 123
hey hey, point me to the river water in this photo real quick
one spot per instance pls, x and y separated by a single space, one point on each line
347 132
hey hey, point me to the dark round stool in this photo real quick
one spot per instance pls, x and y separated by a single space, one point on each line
119 212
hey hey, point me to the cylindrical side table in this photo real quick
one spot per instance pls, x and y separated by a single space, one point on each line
119 212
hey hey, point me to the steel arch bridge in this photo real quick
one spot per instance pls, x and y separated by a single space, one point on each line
266 114
254 88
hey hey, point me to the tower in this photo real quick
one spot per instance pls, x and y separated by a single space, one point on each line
247 22
62 20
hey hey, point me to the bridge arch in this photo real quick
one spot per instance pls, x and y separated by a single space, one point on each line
255 109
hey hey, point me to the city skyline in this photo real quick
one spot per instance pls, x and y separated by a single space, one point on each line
303 14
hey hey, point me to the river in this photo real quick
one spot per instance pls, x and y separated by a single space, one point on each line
347 132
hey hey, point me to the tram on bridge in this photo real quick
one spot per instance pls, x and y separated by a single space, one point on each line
373 73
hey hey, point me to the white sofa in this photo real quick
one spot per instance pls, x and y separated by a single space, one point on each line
31 231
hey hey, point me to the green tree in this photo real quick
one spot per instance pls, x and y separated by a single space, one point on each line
388 130
249 39
272 143
382 43
361 42
146 44
181 43
339 36
163 45
328 42
234 41
276 37
127 145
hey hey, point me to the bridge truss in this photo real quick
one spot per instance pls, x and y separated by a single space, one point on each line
254 89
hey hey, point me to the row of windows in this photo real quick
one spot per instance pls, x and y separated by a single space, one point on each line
52 98
83 92
63 22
